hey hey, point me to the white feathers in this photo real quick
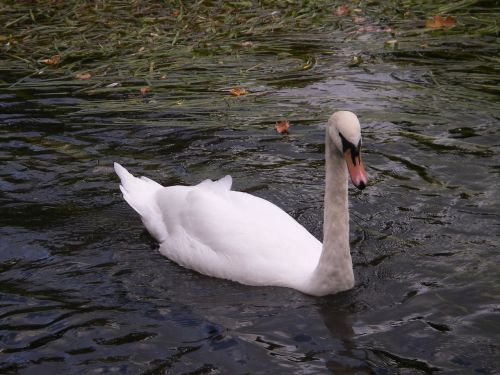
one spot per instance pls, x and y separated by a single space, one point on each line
223 184
139 194
347 124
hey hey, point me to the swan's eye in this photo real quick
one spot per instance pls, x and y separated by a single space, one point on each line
349 146
346 145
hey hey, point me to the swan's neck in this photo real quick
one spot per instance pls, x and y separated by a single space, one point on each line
334 270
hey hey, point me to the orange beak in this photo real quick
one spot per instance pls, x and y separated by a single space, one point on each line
356 169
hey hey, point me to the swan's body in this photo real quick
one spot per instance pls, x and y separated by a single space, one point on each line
237 236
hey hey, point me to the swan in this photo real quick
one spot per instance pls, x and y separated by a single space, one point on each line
237 236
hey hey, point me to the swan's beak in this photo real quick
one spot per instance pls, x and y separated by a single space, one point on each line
356 168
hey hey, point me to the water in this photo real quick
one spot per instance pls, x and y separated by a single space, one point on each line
84 290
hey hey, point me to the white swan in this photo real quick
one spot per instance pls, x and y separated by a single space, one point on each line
237 236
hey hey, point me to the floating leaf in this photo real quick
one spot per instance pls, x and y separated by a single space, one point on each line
341 10
449 21
282 126
145 90
53 60
238 91
308 64
391 43
355 61
83 76
437 22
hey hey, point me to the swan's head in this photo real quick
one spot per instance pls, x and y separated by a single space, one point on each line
345 132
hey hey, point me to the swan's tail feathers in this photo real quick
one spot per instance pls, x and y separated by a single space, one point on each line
139 193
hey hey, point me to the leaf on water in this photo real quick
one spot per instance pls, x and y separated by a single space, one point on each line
355 61
83 76
307 64
145 90
438 22
53 60
449 21
341 10
282 126
238 91
391 43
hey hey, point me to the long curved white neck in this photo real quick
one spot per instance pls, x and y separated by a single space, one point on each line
334 271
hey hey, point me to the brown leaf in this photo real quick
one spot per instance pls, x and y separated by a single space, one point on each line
83 76
145 90
449 21
238 91
438 22
282 126
54 60
341 10
434 23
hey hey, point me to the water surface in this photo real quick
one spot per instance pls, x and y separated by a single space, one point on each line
83 288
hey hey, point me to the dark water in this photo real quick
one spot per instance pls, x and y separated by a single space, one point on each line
84 290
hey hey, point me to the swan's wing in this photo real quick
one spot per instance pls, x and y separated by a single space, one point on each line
223 184
236 236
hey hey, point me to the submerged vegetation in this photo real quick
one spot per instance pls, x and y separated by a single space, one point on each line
120 40
206 56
